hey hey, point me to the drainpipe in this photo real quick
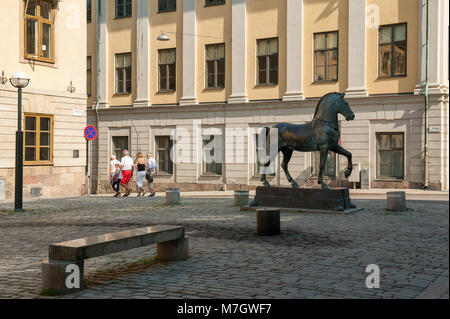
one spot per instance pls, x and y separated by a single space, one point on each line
98 83
427 49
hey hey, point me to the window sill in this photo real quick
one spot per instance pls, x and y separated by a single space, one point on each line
165 91
118 18
391 77
269 176
166 11
210 176
122 94
324 82
389 179
37 164
213 89
266 85
39 61
163 174
214 4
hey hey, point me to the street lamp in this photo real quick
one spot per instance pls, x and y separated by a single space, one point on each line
19 80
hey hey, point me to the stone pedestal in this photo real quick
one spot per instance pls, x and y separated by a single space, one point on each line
267 222
59 277
172 195
396 201
173 250
334 199
241 197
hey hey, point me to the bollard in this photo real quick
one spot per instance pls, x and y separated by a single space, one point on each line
396 201
241 198
267 222
172 195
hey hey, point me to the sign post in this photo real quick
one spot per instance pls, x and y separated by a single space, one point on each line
90 133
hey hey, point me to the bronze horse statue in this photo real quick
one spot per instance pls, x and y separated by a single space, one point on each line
321 134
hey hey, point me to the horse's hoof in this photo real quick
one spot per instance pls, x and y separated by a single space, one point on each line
352 205
295 185
266 183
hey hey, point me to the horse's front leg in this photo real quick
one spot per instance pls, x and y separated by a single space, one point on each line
342 151
323 161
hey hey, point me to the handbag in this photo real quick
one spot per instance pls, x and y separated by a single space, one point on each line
149 178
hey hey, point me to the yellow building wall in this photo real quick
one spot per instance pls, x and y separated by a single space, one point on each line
172 24
324 16
92 52
213 26
266 19
121 39
391 12
69 45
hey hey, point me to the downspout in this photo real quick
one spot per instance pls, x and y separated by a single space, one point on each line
98 82
427 52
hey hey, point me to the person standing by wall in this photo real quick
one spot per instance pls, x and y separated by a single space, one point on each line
127 166
152 172
141 167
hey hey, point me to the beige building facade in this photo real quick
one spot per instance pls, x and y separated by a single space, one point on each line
47 41
228 68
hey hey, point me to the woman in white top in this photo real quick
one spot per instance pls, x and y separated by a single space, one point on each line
141 168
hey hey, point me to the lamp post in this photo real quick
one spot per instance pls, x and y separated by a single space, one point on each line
19 80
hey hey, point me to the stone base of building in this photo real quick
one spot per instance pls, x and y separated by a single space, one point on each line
45 182
105 188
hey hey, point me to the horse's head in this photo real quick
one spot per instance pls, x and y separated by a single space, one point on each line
343 108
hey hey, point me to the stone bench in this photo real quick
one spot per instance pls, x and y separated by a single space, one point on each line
66 259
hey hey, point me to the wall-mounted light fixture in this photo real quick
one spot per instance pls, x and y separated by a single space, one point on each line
71 88
3 78
163 37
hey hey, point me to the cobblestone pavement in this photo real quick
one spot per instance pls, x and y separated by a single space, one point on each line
316 256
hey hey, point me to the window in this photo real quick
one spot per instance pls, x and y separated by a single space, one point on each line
268 61
163 147
390 155
212 161
215 66
330 165
326 56
120 143
89 76
167 5
167 70
214 2
392 50
123 8
89 10
38 146
39 21
123 73
260 151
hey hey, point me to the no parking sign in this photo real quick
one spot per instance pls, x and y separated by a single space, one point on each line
90 132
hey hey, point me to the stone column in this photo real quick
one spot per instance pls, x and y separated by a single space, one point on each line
189 53
356 49
438 47
102 54
238 52
142 54
294 54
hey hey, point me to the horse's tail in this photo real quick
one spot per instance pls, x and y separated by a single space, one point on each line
267 128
